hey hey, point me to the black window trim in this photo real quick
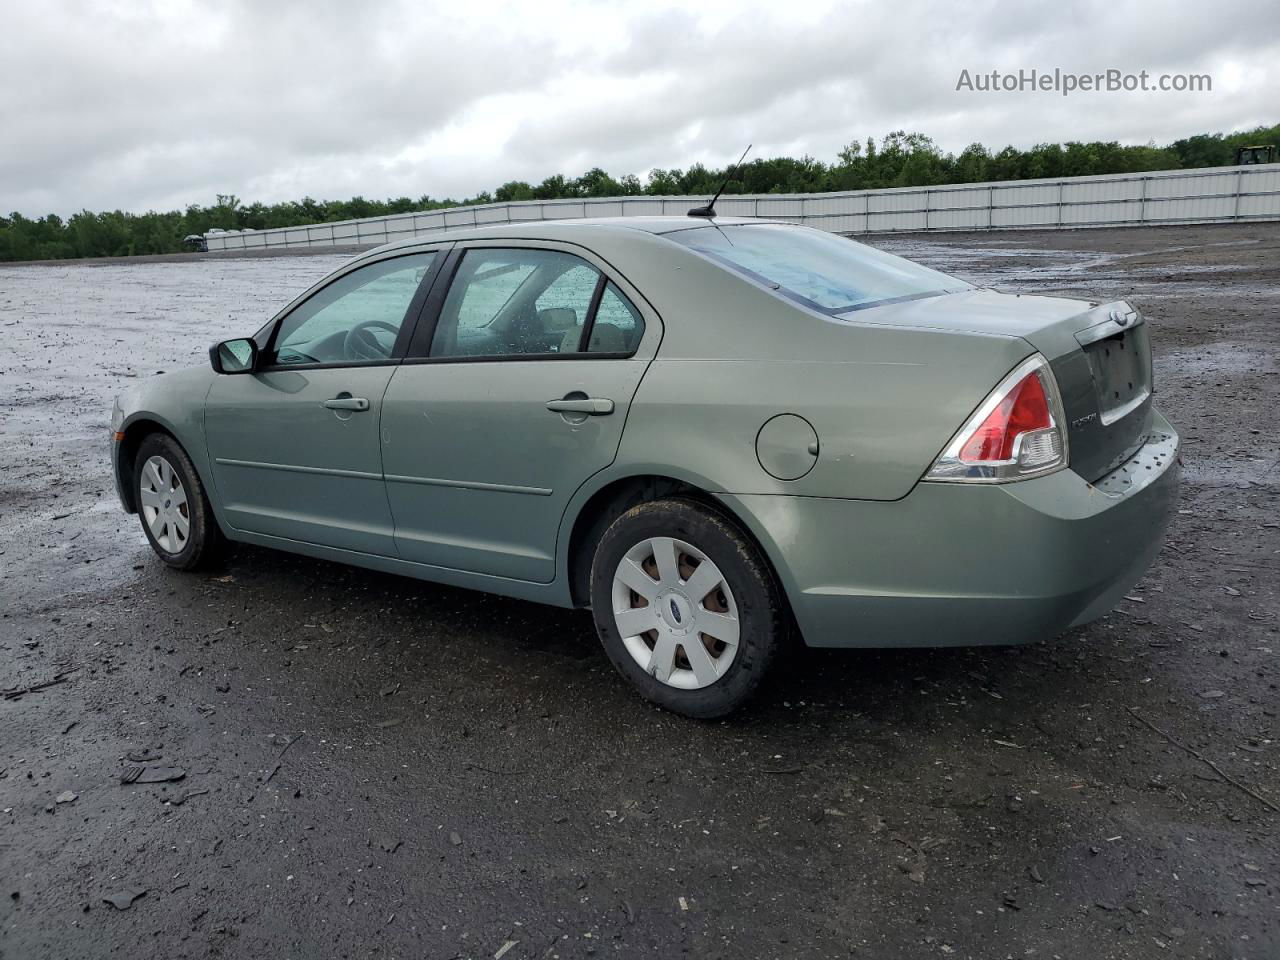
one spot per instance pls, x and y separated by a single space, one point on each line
419 348
584 338
407 324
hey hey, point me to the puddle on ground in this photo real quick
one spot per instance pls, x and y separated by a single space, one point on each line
987 266
1021 267
1224 358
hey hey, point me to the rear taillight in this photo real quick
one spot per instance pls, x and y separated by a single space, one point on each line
1017 432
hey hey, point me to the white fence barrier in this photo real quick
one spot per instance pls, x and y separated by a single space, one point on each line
1210 195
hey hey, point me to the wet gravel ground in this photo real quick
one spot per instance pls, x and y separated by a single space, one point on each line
376 767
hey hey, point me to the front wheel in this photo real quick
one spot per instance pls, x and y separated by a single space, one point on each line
176 515
687 609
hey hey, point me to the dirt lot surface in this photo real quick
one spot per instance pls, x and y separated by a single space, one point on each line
376 767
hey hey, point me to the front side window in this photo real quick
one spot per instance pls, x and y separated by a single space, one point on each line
355 319
512 302
820 270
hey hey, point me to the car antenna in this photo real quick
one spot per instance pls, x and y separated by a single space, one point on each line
710 209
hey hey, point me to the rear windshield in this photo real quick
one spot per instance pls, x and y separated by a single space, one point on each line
823 271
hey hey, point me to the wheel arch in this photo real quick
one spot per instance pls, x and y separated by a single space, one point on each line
613 497
135 431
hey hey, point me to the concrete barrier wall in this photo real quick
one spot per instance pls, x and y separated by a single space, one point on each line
1211 195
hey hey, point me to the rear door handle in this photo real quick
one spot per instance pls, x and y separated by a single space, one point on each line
347 403
592 406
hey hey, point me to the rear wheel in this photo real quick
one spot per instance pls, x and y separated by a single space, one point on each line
175 512
687 609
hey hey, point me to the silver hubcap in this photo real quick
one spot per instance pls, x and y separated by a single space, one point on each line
675 612
164 505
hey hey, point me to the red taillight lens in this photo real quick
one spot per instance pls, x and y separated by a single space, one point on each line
1016 433
1024 409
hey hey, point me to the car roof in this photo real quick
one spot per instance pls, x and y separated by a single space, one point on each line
579 229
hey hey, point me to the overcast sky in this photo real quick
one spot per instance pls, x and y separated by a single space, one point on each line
154 106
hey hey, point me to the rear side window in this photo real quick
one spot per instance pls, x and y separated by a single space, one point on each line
490 286
512 302
533 302
618 326
570 293
820 270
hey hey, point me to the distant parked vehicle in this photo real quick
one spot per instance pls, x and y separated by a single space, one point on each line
195 242
1259 154
709 431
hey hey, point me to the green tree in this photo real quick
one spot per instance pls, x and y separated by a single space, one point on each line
900 159
553 188
662 183
513 190
596 183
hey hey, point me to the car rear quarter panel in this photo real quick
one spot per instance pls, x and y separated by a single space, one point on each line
960 564
883 400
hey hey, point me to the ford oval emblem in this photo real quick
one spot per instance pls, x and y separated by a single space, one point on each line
1121 319
675 611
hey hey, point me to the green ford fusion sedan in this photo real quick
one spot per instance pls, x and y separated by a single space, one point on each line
713 433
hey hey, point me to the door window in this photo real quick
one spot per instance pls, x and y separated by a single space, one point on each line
355 319
514 302
618 326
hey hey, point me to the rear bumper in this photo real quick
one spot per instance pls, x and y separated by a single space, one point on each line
968 564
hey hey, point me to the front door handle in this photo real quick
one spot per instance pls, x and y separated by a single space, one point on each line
347 403
592 406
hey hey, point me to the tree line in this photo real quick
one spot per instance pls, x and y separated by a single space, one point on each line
899 160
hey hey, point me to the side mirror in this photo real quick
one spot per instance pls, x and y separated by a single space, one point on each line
234 356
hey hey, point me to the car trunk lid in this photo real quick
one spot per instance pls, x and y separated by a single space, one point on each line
1100 355
1106 389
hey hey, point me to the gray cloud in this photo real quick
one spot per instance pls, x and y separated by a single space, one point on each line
138 107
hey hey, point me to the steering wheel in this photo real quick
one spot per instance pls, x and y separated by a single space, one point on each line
362 344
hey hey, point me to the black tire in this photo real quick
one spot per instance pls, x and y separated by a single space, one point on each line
204 541
761 611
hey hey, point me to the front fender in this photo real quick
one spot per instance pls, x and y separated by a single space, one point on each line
172 402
